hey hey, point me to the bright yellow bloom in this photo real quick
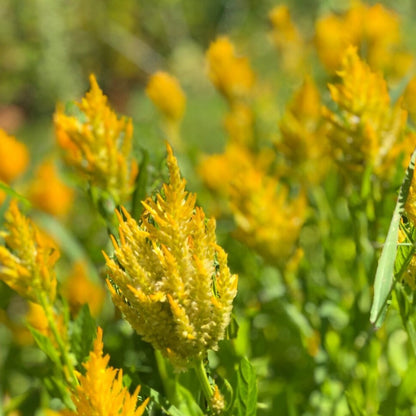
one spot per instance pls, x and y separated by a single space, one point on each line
365 128
100 391
99 147
267 219
78 289
303 142
48 193
171 279
14 157
167 95
374 29
287 38
27 259
232 75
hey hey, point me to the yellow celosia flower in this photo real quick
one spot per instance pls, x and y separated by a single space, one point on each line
48 193
267 219
171 279
14 157
374 29
101 391
99 147
167 95
303 143
232 75
365 128
287 38
78 289
27 259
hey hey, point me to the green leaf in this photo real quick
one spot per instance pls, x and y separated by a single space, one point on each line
45 344
139 193
353 406
162 403
57 388
385 269
82 334
245 402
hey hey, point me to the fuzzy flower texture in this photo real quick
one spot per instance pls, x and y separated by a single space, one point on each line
170 278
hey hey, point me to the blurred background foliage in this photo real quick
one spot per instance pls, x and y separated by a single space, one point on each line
308 335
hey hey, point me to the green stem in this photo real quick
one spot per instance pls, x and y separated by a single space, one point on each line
66 360
203 380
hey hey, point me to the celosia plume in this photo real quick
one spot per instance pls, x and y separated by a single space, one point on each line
169 277
100 391
28 257
99 148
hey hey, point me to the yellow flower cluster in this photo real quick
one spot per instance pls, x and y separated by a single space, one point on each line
267 219
232 75
101 391
171 279
375 30
48 193
287 39
303 143
365 128
99 147
28 257
167 95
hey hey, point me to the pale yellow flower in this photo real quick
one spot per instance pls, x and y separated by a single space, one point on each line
167 95
101 391
48 192
27 258
171 280
365 128
231 74
99 146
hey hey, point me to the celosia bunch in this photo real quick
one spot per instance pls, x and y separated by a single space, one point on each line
303 143
27 259
99 147
374 29
365 128
167 95
232 75
169 278
101 391
287 38
266 218
48 192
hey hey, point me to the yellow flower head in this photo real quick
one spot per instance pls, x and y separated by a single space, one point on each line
365 128
170 278
28 257
303 142
232 75
99 147
286 37
167 95
100 391
78 289
14 157
48 193
374 29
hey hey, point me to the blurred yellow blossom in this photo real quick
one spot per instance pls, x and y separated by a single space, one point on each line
409 98
171 279
167 95
48 193
239 122
101 391
79 289
27 258
231 74
287 38
374 29
364 129
303 143
99 147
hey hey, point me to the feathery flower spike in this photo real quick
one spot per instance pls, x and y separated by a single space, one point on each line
28 257
169 277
